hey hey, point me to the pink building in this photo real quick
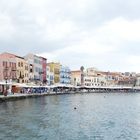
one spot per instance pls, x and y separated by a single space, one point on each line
7 67
44 69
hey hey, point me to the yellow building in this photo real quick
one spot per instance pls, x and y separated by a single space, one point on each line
55 68
22 70
26 72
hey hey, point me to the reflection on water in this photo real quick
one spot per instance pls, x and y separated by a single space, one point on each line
97 117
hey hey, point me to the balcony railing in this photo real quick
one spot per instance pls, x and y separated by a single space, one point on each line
13 69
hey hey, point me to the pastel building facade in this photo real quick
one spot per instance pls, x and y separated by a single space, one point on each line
31 72
65 75
91 71
138 80
22 70
95 81
37 66
7 67
50 76
55 69
93 77
76 78
16 68
44 69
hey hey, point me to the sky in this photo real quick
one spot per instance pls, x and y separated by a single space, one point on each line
92 33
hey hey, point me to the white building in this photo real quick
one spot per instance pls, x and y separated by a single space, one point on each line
138 80
50 76
35 63
94 78
91 71
95 81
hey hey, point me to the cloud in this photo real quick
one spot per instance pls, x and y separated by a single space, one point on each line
122 29
7 29
60 30
105 47
97 33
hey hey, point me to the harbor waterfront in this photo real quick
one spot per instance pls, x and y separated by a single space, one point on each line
37 91
69 70
113 116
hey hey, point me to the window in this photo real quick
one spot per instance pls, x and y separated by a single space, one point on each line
31 70
10 64
3 63
14 66
6 64
26 67
19 64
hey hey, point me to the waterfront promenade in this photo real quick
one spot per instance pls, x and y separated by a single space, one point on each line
68 90
18 96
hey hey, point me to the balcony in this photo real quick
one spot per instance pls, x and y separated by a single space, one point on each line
13 68
57 72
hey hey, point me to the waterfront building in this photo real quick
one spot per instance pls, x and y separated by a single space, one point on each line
37 68
26 71
104 78
31 73
21 68
65 75
112 77
55 69
127 74
76 78
138 80
7 67
95 81
50 76
133 74
44 70
91 71
128 81
121 79
93 77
